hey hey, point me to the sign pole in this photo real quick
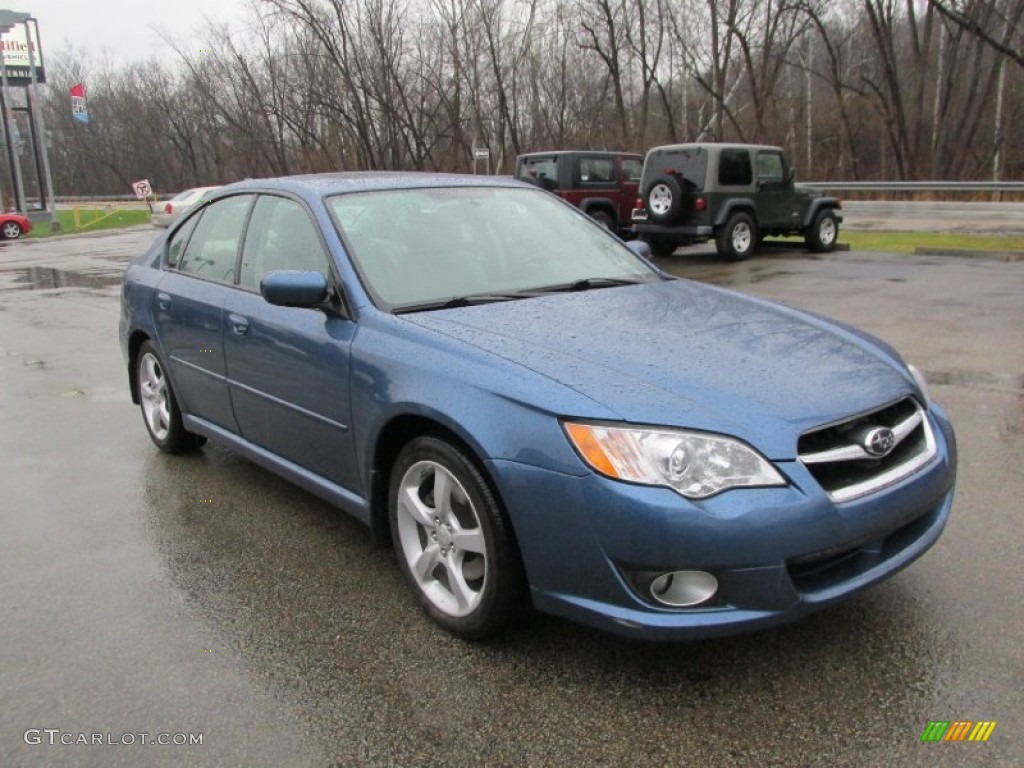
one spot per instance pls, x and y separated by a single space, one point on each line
47 197
10 130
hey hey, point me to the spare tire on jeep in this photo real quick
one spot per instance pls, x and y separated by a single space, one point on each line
664 199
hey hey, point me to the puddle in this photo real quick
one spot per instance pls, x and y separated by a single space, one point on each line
48 278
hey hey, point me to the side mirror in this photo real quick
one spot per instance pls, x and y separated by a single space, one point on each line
290 288
640 247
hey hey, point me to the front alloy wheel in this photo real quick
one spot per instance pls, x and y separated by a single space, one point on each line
452 541
11 230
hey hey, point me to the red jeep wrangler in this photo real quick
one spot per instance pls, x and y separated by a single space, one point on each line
602 184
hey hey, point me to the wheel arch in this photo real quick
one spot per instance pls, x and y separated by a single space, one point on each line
817 205
738 205
397 432
591 204
135 341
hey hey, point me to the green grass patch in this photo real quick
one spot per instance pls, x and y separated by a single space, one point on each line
906 242
92 220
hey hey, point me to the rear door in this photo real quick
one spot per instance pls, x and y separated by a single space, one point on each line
190 298
288 367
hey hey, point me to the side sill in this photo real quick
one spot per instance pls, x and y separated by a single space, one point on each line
332 493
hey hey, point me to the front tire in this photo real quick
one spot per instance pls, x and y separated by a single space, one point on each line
11 230
824 232
453 543
738 238
159 406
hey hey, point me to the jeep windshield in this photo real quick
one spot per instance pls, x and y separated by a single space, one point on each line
689 164
419 249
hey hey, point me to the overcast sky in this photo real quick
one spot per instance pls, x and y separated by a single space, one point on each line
125 27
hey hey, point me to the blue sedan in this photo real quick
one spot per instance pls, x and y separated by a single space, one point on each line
528 411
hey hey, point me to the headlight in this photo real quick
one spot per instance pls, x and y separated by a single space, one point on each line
695 464
920 381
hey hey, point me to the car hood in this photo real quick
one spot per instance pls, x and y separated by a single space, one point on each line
685 354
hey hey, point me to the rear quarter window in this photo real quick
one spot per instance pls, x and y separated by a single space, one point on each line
734 168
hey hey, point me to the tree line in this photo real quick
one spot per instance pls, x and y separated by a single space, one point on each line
854 89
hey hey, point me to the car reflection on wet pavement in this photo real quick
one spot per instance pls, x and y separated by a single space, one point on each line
145 593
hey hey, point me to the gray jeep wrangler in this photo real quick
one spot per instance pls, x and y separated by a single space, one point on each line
737 194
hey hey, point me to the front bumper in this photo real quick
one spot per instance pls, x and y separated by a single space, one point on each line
777 553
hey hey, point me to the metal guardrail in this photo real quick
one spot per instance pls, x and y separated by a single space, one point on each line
847 186
917 186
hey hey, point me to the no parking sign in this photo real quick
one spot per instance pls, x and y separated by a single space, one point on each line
142 189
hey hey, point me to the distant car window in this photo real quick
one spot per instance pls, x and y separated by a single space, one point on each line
689 165
734 168
632 169
770 167
281 236
596 170
213 249
179 240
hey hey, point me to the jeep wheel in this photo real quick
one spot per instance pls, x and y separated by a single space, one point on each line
738 238
824 232
660 249
663 199
604 219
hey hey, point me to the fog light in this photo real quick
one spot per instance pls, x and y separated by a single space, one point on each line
684 589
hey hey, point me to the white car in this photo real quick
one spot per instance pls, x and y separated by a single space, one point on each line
177 205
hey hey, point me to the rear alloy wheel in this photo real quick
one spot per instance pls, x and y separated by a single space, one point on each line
824 232
160 410
11 230
664 199
453 543
738 238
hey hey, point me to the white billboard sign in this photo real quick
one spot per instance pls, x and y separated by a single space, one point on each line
19 46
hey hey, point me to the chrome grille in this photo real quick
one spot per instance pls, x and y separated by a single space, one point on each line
840 456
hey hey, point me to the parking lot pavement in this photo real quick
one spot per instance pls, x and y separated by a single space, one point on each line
141 593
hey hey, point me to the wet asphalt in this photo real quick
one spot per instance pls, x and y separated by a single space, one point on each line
200 595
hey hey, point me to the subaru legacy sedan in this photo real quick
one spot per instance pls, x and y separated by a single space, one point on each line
531 413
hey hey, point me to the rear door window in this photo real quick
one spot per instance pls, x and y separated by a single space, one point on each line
212 251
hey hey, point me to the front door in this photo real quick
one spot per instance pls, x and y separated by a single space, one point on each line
188 311
288 367
777 205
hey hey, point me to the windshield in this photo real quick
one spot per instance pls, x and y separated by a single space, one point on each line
425 246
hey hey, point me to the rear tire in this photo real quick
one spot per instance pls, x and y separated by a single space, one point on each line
660 249
738 238
604 218
160 411
11 230
824 232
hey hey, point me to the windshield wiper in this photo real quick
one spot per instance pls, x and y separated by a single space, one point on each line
588 283
454 302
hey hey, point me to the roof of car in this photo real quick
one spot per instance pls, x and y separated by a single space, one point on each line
608 153
360 181
710 144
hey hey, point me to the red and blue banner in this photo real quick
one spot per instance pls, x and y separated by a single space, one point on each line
78 108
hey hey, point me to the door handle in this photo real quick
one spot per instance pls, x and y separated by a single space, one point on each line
163 300
238 324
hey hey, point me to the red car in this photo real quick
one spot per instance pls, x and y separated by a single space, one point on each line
14 225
